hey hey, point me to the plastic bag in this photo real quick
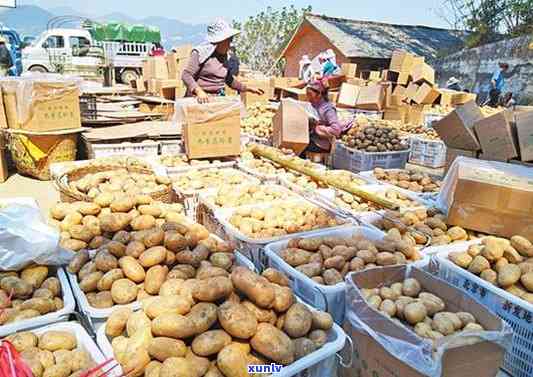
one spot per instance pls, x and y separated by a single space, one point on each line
26 239
403 343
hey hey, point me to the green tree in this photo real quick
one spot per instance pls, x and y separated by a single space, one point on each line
265 35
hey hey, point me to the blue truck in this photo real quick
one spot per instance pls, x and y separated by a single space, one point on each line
16 45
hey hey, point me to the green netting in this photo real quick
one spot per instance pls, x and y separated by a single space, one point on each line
115 31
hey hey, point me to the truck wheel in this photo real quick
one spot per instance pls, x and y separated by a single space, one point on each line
38 68
128 75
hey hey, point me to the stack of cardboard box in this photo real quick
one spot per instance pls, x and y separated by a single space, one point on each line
162 74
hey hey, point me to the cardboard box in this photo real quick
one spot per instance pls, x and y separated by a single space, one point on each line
336 81
415 115
426 94
524 129
397 113
291 127
411 91
423 73
472 357
3 117
387 102
374 76
356 81
348 95
155 67
333 97
493 200
460 98
206 134
285 82
401 61
457 128
183 51
495 137
250 98
4 171
399 93
349 69
175 65
294 93
164 88
453 153
371 98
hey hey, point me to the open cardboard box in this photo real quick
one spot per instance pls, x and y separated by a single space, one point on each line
464 356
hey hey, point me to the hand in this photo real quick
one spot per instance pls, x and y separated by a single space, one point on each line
323 131
201 96
257 91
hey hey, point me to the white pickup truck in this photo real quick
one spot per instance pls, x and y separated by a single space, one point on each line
70 47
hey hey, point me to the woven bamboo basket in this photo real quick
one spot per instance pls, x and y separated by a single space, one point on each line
69 194
58 148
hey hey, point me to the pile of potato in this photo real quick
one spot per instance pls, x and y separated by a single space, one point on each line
303 182
210 178
375 139
280 219
401 199
353 203
439 109
327 260
91 225
217 326
408 180
119 181
425 312
29 293
405 129
259 120
262 166
230 196
175 161
344 178
507 264
52 354
422 226
142 262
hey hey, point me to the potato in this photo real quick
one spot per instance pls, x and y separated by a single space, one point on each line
479 264
221 260
310 269
34 275
527 281
42 293
120 345
422 329
57 340
509 275
153 369
232 360
79 260
116 323
53 285
443 325
386 259
388 293
273 343
473 327
137 321
20 315
522 245
19 287
143 222
213 289
72 218
500 263
60 210
122 237
74 245
374 301
295 257
489 275
462 259
173 326
157 306
105 261
465 318
210 342
114 222
162 348
154 237
42 305
171 287
388 307
155 277
452 317
207 271
46 358
153 256
213 371
284 298
90 282
132 269
262 315
80 360
124 291
106 282
193 257
298 321
303 347
411 287
23 341
134 249
116 248
321 320
237 320
202 316
187 270
174 241
432 303
57 370
415 312
136 363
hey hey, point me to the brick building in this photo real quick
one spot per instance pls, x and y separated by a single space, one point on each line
368 44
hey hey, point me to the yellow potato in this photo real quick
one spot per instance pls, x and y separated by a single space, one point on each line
132 269
124 291
116 323
57 340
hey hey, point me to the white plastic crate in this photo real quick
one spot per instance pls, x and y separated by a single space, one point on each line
143 149
328 298
58 316
320 363
354 160
429 153
93 313
171 147
370 114
516 312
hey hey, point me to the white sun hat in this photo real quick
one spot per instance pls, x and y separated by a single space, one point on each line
219 31
452 81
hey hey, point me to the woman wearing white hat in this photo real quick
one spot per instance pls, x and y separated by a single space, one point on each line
207 71
453 84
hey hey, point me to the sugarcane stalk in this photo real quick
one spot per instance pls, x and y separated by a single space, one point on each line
354 189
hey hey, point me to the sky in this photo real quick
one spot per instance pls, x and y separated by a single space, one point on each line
421 12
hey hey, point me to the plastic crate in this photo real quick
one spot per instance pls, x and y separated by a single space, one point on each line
516 312
328 298
147 148
429 153
354 160
88 107
171 147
